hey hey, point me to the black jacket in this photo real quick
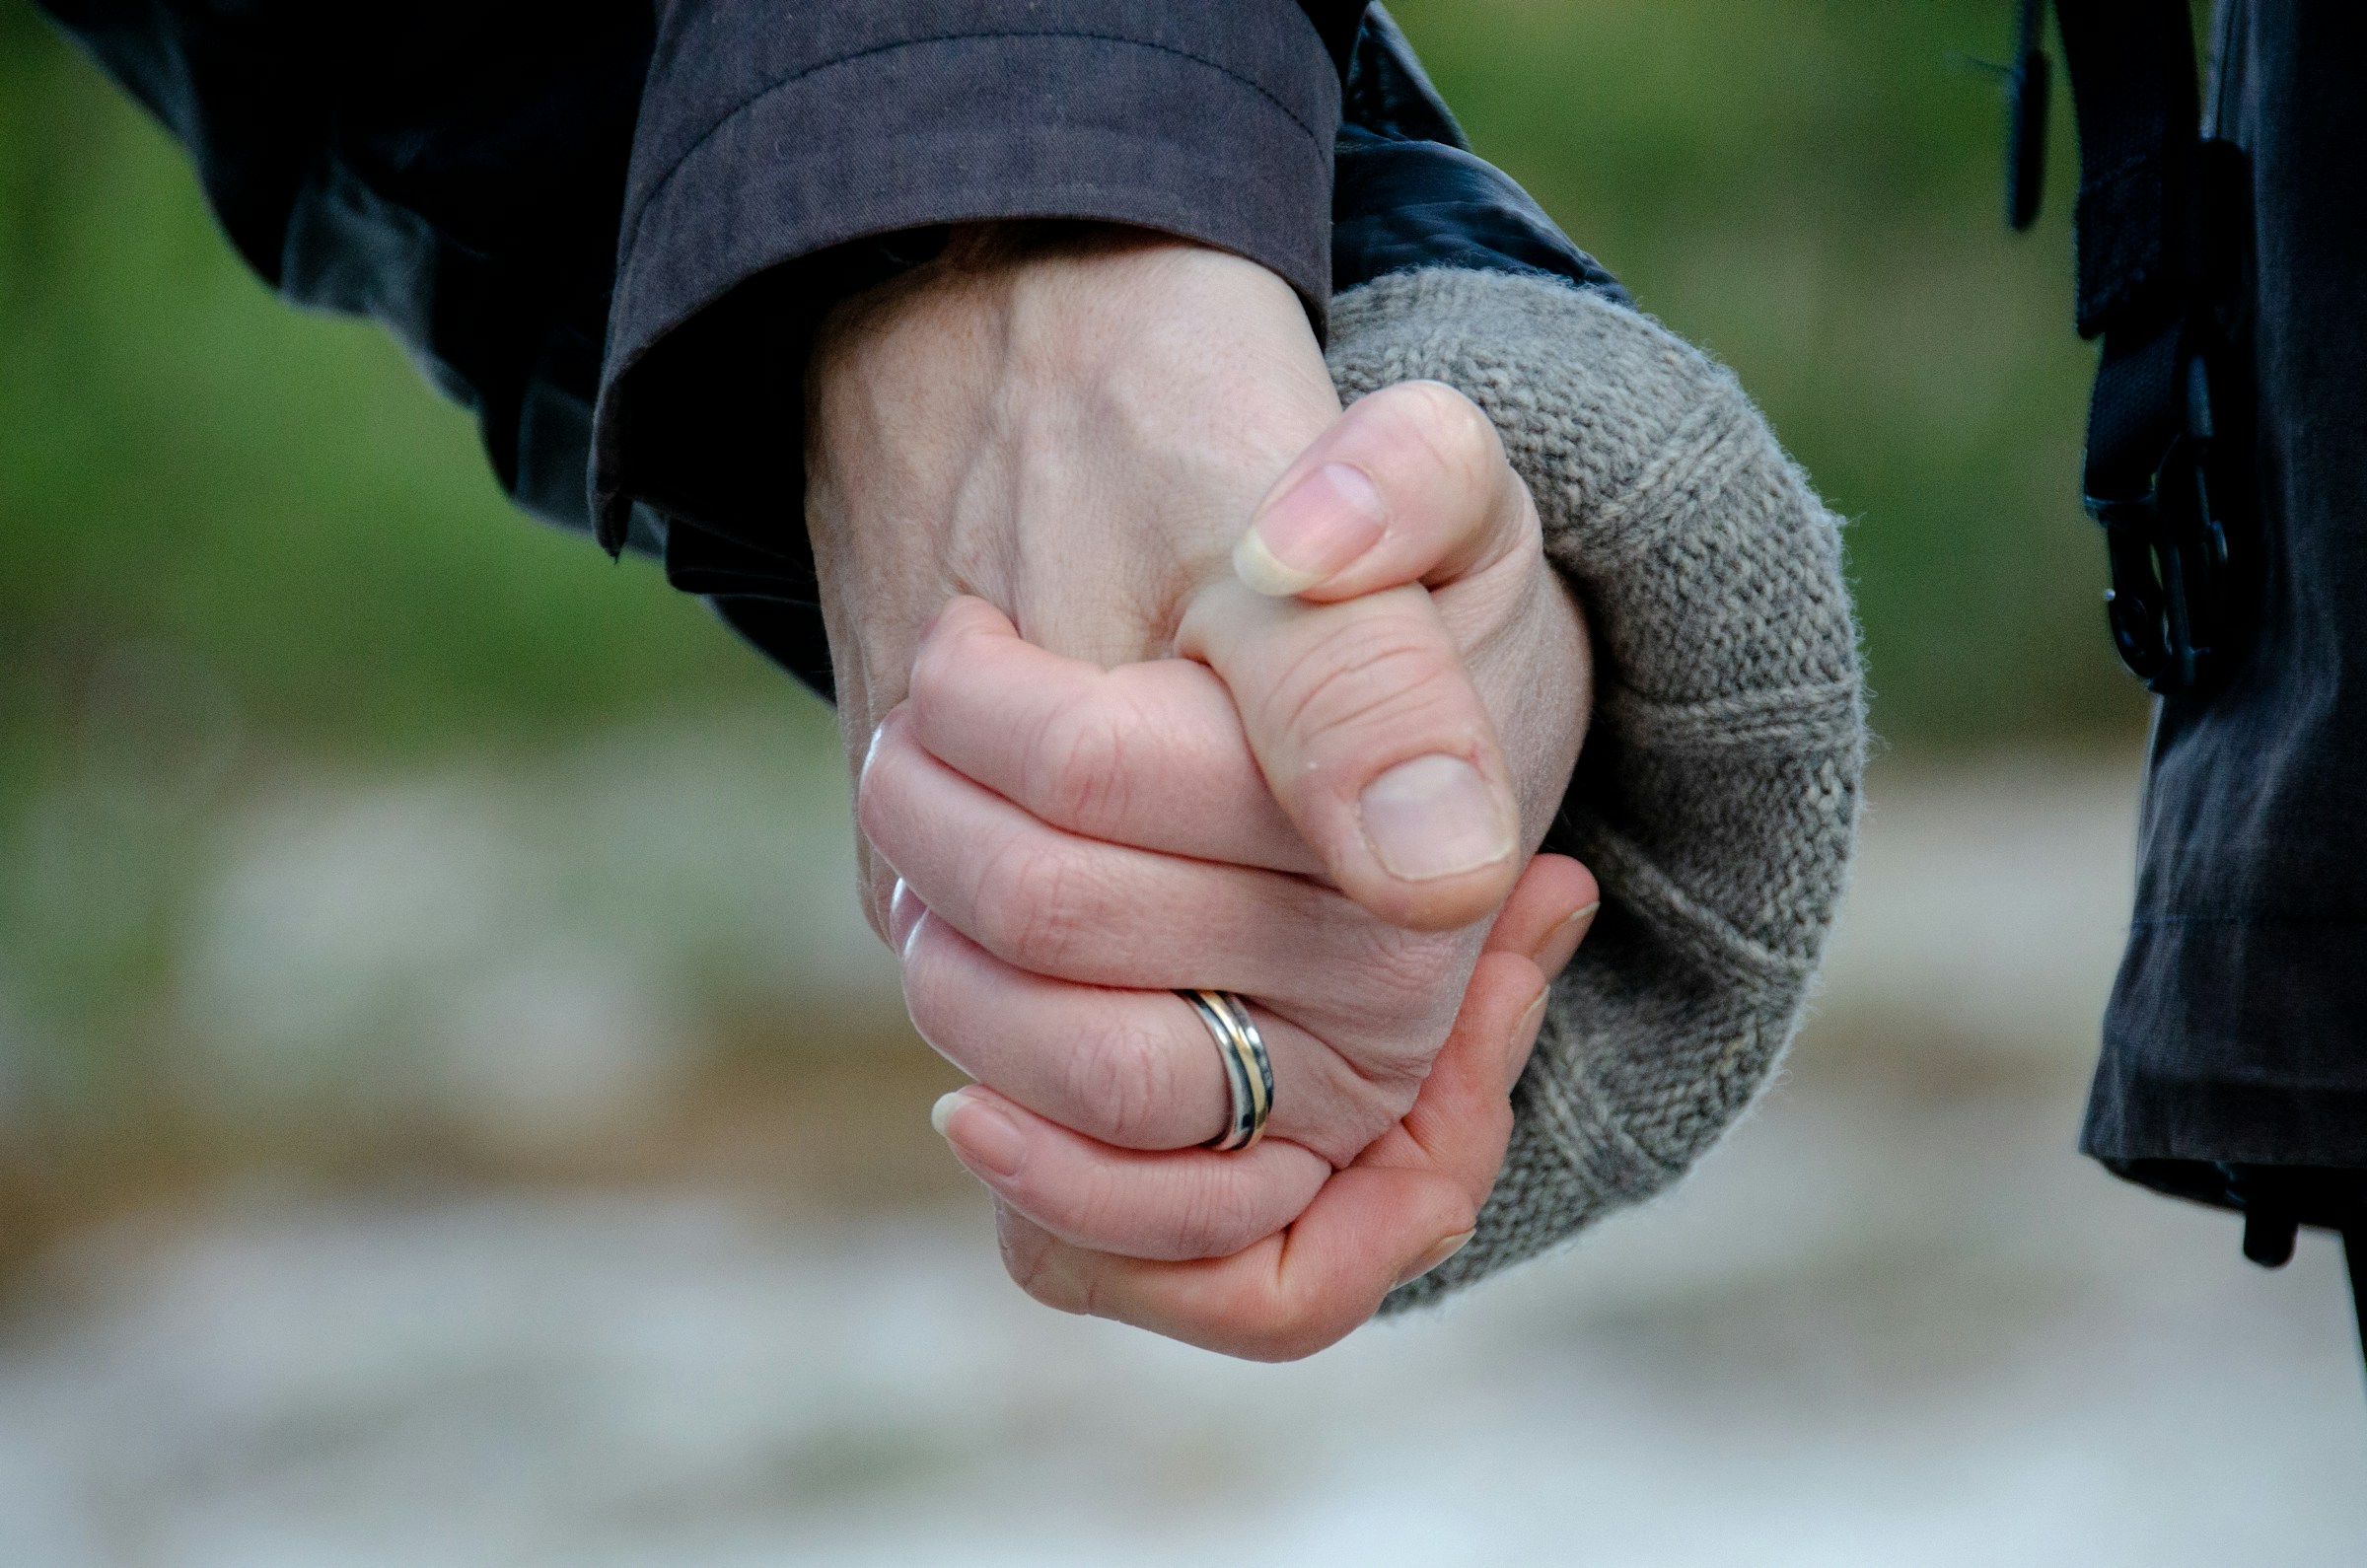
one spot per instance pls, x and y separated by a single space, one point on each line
2235 1049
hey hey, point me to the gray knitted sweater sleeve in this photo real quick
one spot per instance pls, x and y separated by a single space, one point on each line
1716 800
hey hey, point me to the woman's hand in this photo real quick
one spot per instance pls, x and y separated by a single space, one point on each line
1406 1204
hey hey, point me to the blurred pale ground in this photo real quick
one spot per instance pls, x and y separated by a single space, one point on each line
451 1110
1895 1320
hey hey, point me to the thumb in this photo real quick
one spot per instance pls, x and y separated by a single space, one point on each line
1411 486
1353 695
1374 742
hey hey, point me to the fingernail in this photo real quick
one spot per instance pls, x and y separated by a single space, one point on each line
1434 816
1436 1256
981 1135
904 910
1554 955
1310 532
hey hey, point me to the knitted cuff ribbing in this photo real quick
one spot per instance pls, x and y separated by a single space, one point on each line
1716 800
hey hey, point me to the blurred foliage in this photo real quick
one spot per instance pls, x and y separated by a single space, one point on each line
235 537
277 508
273 502
1812 189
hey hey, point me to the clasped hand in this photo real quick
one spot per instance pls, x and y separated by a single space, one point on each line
1111 744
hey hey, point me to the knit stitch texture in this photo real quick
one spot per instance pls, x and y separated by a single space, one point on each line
1716 799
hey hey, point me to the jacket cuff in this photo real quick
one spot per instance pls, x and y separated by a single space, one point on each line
771 134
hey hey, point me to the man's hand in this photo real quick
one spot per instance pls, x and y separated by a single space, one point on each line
1076 430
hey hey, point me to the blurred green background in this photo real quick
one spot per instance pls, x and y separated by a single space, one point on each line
241 546
1811 188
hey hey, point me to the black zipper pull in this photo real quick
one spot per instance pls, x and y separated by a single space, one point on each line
2029 90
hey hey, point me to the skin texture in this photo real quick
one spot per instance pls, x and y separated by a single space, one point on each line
1099 756
1406 1205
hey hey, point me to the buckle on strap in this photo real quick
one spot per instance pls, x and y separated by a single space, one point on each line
2172 601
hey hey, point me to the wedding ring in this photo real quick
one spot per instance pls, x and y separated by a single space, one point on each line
1248 1073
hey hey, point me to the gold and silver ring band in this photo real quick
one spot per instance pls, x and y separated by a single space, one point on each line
1248 1075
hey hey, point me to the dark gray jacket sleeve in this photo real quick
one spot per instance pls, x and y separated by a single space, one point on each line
773 138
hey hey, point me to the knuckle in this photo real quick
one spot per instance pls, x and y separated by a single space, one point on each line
1454 432
1379 674
1027 904
1079 777
1119 1081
